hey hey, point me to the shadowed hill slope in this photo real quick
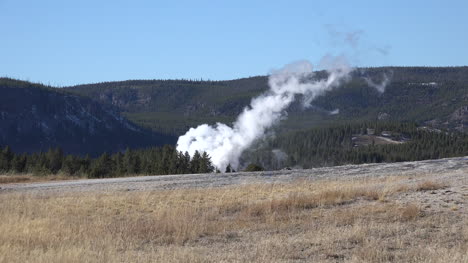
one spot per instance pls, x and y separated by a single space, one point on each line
34 117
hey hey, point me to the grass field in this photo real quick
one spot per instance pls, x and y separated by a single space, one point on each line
361 220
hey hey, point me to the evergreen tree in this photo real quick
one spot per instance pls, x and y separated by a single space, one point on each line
18 164
186 163
195 163
85 166
54 160
102 167
205 164
118 161
6 157
228 168
71 165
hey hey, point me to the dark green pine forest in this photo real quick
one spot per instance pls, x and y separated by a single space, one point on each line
301 149
334 145
151 161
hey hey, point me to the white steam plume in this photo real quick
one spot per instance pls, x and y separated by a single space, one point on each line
380 87
225 144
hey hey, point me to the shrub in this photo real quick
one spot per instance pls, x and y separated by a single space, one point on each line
253 168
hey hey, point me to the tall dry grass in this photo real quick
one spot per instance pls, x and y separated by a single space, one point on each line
29 178
430 185
328 221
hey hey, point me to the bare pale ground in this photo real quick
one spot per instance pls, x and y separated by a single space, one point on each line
364 140
149 183
401 215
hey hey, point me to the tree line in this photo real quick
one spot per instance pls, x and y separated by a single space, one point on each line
331 146
154 161
316 147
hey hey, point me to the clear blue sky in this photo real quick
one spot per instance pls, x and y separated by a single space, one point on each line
61 42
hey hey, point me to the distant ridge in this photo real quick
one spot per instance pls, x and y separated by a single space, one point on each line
173 106
35 117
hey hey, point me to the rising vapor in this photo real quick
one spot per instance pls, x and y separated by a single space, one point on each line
226 144
380 87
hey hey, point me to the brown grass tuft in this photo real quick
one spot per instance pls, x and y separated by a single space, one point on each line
430 185
27 178
410 212
9 179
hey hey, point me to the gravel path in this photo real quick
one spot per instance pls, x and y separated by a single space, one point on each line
456 168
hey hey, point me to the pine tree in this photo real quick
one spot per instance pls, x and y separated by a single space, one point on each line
118 161
40 166
18 163
174 163
71 165
54 160
205 164
228 168
186 163
102 167
195 163
6 157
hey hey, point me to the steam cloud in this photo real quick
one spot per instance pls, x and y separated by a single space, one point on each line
338 37
225 144
380 87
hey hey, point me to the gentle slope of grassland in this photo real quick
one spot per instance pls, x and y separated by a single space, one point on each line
361 220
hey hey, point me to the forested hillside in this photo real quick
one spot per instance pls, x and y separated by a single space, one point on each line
173 106
430 96
335 145
92 119
304 149
34 118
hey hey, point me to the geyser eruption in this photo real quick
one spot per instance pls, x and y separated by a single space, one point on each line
225 144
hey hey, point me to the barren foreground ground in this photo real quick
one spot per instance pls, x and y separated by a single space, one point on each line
404 212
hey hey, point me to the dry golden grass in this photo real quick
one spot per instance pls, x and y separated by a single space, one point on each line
327 221
430 185
10 179
27 178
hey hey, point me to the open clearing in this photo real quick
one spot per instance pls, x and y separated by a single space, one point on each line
365 140
401 212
